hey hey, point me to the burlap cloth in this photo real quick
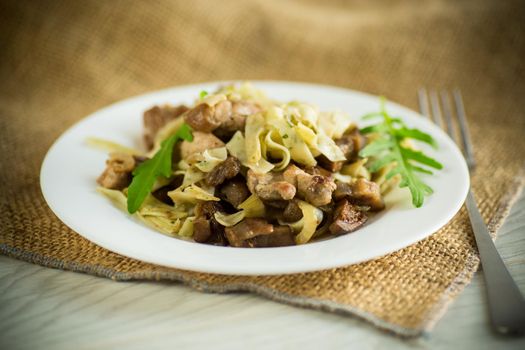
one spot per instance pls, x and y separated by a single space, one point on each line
61 60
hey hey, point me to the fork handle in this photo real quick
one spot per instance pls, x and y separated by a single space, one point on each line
507 306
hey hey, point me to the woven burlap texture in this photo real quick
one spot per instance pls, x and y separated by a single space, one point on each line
62 60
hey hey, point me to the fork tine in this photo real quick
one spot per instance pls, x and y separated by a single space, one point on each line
463 128
436 110
447 112
424 108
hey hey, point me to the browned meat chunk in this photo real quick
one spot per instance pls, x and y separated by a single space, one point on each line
237 119
117 174
292 212
247 229
207 118
223 171
343 190
208 209
359 142
280 237
212 232
350 144
315 189
317 170
156 117
234 191
347 218
328 164
287 211
201 142
245 108
367 193
361 192
270 186
201 230
255 232
277 204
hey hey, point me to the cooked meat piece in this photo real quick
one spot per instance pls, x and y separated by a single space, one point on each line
201 230
208 209
246 229
273 214
277 204
245 108
291 172
201 142
239 111
292 212
328 164
117 174
315 189
343 190
346 144
114 180
361 192
279 190
347 218
156 117
121 162
205 212
270 186
280 237
234 191
230 126
223 171
207 118
255 232
350 144
366 193
317 170
359 142
217 234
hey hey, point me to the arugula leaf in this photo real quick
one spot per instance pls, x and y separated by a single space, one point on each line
145 175
388 148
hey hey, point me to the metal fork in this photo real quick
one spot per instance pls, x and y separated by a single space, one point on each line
506 304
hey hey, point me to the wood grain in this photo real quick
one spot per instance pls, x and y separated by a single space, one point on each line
41 308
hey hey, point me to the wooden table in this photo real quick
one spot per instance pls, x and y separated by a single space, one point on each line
41 308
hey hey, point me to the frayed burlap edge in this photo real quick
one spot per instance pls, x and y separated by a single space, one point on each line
433 316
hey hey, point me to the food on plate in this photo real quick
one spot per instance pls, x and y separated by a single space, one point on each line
239 169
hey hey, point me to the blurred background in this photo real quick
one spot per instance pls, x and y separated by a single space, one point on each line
76 56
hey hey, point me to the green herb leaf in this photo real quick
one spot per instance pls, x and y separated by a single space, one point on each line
145 175
416 134
203 94
372 116
376 147
388 150
420 157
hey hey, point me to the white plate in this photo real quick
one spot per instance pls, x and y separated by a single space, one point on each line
70 168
